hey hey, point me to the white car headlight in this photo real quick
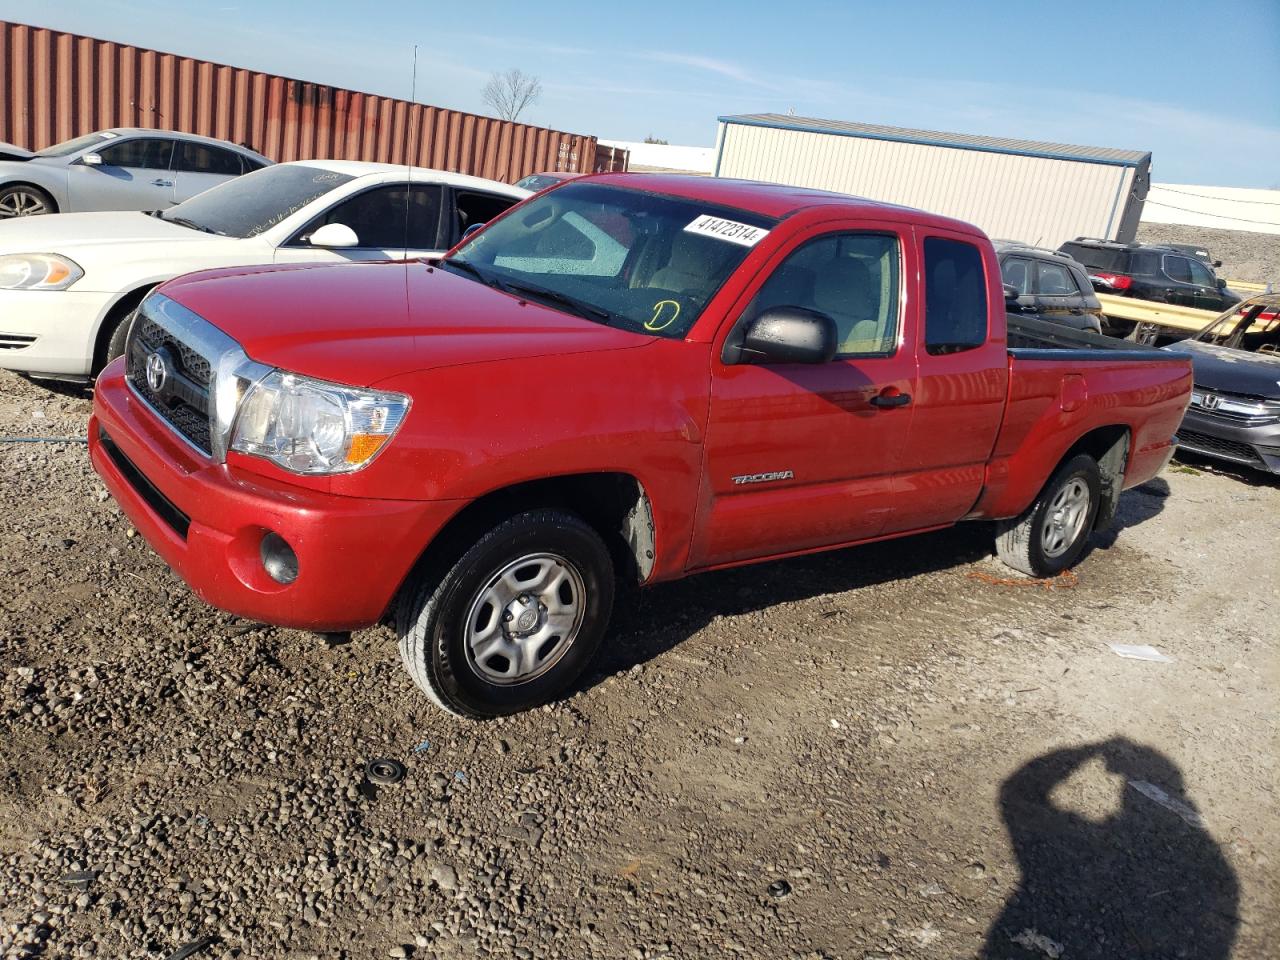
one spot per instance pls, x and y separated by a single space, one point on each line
310 426
38 271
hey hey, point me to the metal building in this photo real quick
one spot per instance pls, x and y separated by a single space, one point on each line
1041 193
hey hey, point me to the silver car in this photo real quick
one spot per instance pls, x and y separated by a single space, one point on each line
121 169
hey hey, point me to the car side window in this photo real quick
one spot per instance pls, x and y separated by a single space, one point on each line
1201 275
475 207
1014 271
1178 268
955 296
1054 280
142 154
203 158
378 217
850 277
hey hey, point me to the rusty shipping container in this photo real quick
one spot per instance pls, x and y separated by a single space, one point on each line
55 85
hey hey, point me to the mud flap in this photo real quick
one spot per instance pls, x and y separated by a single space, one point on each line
1112 465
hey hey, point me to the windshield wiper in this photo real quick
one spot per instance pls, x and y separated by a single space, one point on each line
184 222
581 308
468 267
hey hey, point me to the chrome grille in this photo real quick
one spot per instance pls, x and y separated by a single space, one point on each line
1217 447
188 348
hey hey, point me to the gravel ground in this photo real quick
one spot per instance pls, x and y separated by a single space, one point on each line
1253 257
889 752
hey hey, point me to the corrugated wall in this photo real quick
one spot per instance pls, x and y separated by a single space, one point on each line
54 86
1032 199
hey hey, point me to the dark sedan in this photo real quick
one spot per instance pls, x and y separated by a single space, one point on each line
1235 406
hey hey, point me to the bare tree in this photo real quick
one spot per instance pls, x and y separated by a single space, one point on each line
509 93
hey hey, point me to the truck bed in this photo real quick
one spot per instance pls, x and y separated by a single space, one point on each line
1041 340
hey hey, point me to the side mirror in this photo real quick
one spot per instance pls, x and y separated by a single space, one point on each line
1217 264
789 335
335 236
91 159
472 229
1010 292
1222 284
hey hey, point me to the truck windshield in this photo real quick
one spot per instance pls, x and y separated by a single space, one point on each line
637 260
248 205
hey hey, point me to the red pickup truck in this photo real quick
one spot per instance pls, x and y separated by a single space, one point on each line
634 377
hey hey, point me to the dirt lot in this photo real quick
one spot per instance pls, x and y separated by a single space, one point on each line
1253 257
880 753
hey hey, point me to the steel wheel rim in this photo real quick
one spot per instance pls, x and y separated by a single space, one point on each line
524 619
1065 518
21 203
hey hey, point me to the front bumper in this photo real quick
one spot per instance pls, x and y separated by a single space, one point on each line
1216 436
207 521
50 332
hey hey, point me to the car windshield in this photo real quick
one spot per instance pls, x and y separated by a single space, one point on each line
1254 327
68 147
248 205
637 260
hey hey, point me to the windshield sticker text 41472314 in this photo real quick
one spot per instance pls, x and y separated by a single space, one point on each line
722 229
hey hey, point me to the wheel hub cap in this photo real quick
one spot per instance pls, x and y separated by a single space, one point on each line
1065 519
524 618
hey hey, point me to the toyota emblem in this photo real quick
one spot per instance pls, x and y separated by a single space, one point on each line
157 371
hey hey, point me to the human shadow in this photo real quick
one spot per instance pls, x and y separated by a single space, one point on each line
1144 882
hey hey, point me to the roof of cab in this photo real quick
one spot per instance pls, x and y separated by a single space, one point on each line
769 199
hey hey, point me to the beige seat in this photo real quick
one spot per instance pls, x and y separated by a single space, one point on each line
846 292
686 267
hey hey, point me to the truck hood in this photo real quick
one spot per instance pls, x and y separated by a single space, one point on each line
1233 371
72 232
9 151
362 323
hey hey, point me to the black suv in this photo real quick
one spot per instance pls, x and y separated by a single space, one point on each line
1047 285
1164 274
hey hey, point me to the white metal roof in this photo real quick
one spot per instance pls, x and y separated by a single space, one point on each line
962 141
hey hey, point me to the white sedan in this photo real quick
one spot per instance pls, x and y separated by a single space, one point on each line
69 283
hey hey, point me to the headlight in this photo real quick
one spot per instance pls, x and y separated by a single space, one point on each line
38 271
310 426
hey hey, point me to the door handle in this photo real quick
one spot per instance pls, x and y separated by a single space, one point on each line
161 183
891 399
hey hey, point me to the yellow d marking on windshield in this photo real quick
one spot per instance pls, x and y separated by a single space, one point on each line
664 315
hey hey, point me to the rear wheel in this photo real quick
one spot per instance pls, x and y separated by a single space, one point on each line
1054 532
22 200
514 621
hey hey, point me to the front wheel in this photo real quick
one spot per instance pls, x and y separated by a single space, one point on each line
24 201
1053 533
514 621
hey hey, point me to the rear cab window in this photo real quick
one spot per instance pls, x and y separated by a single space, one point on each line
955 297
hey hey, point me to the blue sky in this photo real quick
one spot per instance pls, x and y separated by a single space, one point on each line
1197 84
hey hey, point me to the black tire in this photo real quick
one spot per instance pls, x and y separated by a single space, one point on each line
25 200
1030 542
434 616
116 338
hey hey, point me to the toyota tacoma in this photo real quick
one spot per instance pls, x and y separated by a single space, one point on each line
623 378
